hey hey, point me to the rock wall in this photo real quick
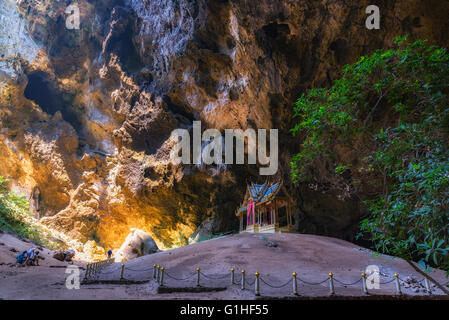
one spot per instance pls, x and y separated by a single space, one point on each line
86 114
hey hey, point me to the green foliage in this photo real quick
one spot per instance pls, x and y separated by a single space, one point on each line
213 236
341 169
13 216
398 100
11 205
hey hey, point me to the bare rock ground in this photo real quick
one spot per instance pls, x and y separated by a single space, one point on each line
311 257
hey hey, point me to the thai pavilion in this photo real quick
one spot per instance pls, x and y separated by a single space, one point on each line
266 208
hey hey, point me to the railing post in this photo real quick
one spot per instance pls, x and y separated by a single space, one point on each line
154 271
242 285
121 273
87 271
232 276
426 282
398 285
295 284
162 276
257 284
158 277
331 283
198 276
365 290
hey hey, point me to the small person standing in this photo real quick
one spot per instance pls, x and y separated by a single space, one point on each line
109 253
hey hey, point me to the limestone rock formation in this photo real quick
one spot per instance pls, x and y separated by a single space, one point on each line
66 255
204 231
138 243
86 114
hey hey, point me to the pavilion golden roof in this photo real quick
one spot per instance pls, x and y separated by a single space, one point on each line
260 193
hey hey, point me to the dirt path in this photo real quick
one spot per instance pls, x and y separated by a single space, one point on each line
275 256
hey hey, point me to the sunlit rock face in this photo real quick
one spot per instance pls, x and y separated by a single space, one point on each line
86 114
138 243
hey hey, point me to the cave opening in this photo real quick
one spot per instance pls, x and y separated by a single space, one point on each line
50 99
121 44
273 37
40 90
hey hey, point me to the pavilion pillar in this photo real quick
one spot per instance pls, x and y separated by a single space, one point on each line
276 217
258 215
270 211
254 214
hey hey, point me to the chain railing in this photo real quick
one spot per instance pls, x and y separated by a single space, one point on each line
95 267
159 273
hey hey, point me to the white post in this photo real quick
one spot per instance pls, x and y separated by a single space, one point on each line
398 285
426 282
365 290
331 283
121 273
162 276
257 284
198 277
87 271
295 284
242 285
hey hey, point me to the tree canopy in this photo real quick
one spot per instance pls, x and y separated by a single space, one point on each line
397 101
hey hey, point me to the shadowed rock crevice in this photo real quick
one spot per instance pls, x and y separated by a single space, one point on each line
44 92
120 39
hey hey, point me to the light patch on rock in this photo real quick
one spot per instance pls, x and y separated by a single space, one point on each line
167 27
138 243
15 40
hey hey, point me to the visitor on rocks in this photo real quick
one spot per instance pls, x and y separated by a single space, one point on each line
29 253
33 259
21 258
109 254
